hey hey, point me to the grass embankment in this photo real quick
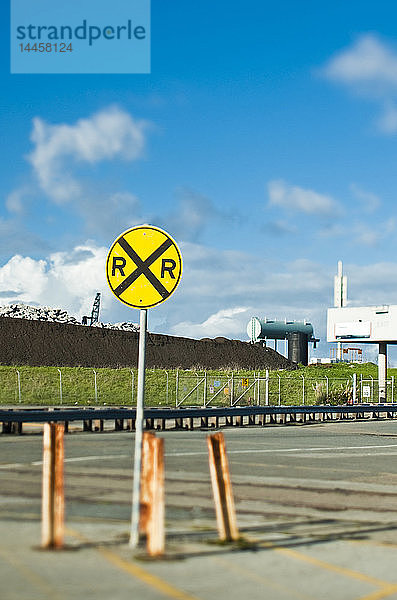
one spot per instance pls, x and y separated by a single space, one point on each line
41 385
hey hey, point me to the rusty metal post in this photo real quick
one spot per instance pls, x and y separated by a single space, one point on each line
152 510
222 488
155 527
144 498
53 503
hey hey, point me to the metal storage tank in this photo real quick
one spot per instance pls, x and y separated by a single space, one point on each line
298 348
260 329
298 334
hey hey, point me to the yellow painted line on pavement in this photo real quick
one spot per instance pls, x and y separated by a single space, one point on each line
252 575
152 580
380 594
322 564
386 588
329 566
137 571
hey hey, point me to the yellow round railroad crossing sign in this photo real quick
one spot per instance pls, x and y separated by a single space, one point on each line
144 266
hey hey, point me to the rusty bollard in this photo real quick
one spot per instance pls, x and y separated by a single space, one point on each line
222 488
53 502
152 512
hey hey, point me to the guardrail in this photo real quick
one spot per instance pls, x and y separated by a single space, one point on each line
93 419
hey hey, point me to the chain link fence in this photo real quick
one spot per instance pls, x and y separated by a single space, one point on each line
84 386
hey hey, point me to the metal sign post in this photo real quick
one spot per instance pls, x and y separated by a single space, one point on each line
143 269
134 533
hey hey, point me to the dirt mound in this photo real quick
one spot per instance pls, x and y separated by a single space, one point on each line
37 343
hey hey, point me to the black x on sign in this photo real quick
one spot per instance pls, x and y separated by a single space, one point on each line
144 266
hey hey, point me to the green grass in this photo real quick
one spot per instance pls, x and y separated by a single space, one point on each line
41 385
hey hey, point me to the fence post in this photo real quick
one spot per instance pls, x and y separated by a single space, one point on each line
95 386
205 389
258 401
279 389
392 389
354 387
327 385
176 388
166 390
60 385
303 388
19 386
267 388
222 488
132 386
232 390
53 504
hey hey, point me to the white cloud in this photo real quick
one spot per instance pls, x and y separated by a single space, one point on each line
225 322
22 275
302 200
367 62
369 67
109 134
65 280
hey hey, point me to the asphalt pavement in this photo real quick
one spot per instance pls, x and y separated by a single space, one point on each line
316 509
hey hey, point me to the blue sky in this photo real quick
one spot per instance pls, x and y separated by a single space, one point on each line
264 140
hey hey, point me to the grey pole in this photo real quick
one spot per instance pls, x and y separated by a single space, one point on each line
134 534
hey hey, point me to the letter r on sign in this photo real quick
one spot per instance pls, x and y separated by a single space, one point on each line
118 265
167 264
